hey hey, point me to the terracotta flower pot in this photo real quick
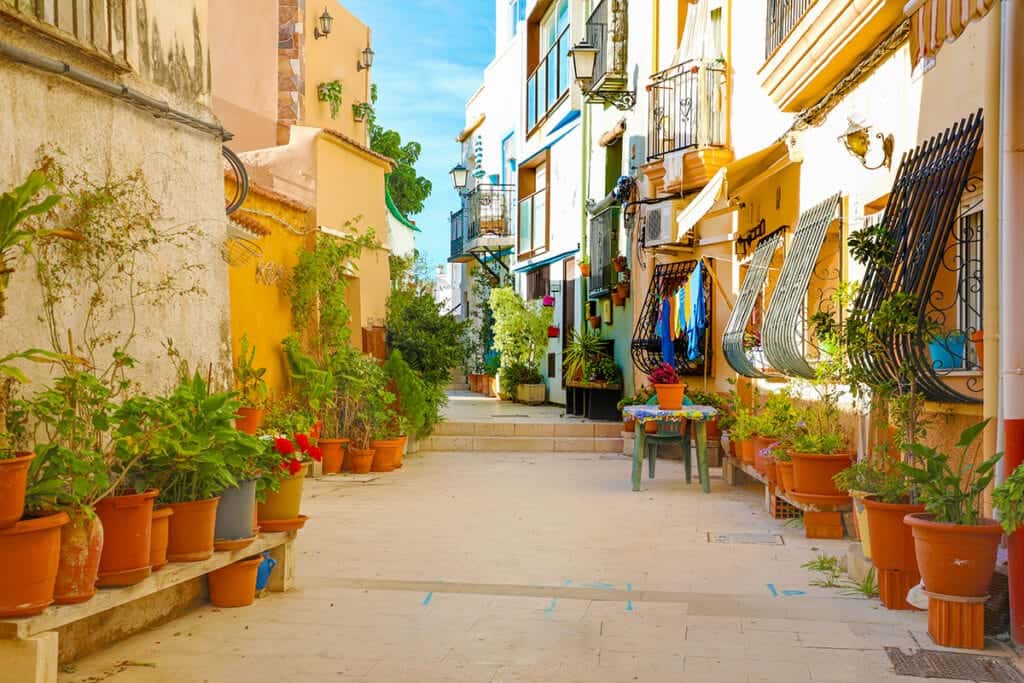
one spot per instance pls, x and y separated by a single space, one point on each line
29 556
651 427
813 472
286 501
955 559
618 299
595 321
235 584
978 339
334 454
191 531
747 452
771 471
13 479
127 535
249 419
670 396
385 454
892 542
713 431
158 544
784 471
629 426
585 269
362 459
81 543
762 452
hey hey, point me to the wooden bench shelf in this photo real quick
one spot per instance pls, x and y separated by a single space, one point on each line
29 645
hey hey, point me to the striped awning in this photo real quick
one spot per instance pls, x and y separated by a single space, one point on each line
935 22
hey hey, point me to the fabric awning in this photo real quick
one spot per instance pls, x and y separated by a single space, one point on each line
935 22
529 267
700 205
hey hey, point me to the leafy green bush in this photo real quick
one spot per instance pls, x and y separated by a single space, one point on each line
1009 500
520 328
430 341
881 478
514 374
412 393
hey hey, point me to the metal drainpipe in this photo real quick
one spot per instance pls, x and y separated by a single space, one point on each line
1012 249
990 239
581 295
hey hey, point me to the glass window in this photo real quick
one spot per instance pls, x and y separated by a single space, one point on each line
525 225
542 176
540 219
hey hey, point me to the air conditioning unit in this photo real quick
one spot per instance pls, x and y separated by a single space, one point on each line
660 225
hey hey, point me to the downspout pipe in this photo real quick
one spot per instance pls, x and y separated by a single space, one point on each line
990 239
1012 250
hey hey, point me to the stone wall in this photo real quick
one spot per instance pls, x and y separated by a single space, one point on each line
290 83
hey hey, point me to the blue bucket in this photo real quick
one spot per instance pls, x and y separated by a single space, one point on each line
948 352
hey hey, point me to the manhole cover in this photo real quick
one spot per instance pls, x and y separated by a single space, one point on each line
954 665
746 539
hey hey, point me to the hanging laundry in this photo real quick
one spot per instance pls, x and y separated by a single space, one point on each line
698 317
668 347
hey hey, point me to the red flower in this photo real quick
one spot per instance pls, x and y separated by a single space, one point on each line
295 466
284 446
315 453
303 442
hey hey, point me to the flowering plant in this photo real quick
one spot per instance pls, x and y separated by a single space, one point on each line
295 452
664 374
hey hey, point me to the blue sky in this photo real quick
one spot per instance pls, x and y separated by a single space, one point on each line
430 57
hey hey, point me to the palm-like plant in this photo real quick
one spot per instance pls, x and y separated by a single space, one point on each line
585 347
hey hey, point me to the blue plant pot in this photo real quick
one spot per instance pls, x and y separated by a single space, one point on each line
948 352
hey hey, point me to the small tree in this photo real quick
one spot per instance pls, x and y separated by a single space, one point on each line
520 328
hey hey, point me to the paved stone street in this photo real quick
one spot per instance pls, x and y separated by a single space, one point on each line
536 567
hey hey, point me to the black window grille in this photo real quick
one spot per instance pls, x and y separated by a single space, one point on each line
933 246
646 347
602 250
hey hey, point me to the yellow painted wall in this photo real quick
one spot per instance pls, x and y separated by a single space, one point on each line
335 58
350 190
260 309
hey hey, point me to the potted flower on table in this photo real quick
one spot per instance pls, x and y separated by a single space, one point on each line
668 386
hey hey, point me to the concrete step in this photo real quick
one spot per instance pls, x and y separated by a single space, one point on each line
457 386
522 444
560 429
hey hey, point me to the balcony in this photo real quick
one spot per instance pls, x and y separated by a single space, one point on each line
458 254
490 212
549 82
610 63
97 27
810 45
688 119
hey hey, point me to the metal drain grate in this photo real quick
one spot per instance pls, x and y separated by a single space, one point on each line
505 417
954 665
747 539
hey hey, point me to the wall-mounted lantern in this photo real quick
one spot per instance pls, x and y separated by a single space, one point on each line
584 63
366 60
325 24
460 177
857 140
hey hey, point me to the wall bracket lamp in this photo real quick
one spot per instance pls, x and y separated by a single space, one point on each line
857 140
325 22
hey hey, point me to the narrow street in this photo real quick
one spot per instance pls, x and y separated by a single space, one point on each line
530 567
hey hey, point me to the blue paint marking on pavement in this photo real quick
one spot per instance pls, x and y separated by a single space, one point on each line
771 587
793 593
629 603
426 600
600 586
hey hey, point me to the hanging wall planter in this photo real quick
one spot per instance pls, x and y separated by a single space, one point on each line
553 332
595 321
585 269
619 263
549 301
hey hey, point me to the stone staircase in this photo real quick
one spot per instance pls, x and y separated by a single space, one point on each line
507 436
458 381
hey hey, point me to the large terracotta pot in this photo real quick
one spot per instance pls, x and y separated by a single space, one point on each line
190 534
29 556
386 454
813 472
158 543
784 470
670 396
127 535
235 584
362 459
249 419
13 479
81 543
892 543
955 559
284 503
762 452
334 454
747 452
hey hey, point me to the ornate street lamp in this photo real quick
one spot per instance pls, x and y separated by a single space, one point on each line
584 61
460 177
584 64
857 140
367 59
326 22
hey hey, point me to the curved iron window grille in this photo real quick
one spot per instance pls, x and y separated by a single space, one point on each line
734 345
784 332
668 279
237 169
932 247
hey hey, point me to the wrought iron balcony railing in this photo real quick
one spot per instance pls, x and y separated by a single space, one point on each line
602 239
490 211
548 82
597 35
782 17
687 108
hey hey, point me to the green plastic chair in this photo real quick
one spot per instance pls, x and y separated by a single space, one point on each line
668 432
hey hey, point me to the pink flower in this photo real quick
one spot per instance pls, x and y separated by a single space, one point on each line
284 446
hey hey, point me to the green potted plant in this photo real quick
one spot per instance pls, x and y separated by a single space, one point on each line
742 434
15 458
956 546
492 364
252 389
719 403
819 446
520 336
330 93
585 347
